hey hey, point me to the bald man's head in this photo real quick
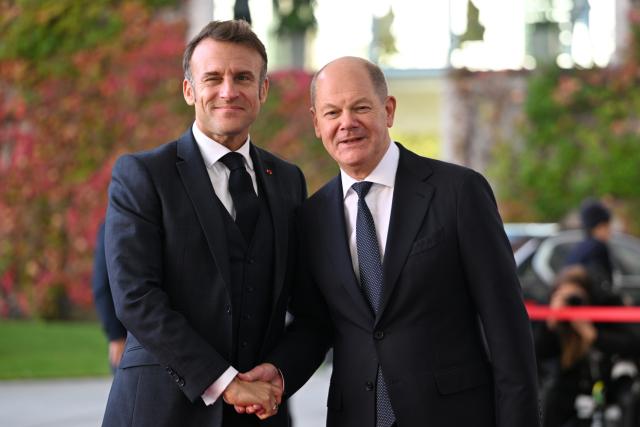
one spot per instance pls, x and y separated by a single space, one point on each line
347 64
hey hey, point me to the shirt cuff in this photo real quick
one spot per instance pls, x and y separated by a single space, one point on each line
215 390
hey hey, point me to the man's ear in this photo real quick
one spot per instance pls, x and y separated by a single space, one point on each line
264 90
390 108
315 121
188 92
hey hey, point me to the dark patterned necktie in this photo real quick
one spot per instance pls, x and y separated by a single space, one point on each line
370 266
242 193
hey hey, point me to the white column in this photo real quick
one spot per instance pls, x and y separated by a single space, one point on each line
622 31
200 13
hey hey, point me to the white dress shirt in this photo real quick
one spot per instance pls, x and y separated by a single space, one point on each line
212 152
379 200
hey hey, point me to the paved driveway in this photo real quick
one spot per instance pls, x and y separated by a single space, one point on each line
80 403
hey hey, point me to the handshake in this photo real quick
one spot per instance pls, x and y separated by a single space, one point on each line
258 391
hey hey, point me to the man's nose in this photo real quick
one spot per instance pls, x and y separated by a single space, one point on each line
228 89
348 120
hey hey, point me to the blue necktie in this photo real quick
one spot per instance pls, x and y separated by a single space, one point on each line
242 193
371 280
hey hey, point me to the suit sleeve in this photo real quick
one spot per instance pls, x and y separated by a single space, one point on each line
490 270
102 292
135 245
309 335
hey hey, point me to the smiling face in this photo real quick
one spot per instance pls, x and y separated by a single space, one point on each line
350 117
227 92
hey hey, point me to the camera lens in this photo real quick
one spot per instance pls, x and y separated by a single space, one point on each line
574 300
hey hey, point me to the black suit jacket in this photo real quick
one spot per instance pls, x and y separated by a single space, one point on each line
169 270
450 282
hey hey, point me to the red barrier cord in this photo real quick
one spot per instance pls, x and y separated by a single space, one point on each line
616 314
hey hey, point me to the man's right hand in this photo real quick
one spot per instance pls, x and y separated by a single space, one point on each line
263 397
264 372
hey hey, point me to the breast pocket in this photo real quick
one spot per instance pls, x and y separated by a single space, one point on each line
423 244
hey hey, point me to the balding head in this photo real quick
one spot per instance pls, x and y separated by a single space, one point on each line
350 64
352 114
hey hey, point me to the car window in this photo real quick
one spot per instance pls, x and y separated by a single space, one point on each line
626 259
559 255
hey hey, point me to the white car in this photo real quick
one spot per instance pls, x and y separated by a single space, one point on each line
540 258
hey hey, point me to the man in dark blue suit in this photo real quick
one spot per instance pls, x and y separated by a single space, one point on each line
103 300
408 274
200 249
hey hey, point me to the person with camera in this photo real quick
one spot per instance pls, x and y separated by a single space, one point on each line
574 355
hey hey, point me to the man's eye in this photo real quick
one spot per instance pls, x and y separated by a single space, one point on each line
330 113
243 77
363 108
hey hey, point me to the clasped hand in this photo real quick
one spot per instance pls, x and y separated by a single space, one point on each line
258 391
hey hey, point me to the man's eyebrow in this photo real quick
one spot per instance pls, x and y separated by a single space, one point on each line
210 74
356 102
235 73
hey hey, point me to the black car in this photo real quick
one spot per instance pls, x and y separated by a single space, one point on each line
540 258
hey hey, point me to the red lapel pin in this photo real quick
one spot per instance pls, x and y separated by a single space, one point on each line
269 172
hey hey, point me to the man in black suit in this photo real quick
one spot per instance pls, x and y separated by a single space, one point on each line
199 246
408 275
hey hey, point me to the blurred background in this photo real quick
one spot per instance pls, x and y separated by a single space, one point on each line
541 96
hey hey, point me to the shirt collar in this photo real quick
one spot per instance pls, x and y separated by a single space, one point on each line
384 173
212 151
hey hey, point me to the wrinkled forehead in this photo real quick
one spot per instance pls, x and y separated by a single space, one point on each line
343 84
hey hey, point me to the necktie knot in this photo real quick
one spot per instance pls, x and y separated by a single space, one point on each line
362 188
233 160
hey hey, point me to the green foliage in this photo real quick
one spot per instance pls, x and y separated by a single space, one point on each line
52 350
294 16
284 126
475 30
111 83
581 140
66 112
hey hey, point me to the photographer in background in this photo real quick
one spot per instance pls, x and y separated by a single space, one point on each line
593 252
574 355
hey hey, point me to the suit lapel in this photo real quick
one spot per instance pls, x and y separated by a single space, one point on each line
197 183
411 199
268 176
333 231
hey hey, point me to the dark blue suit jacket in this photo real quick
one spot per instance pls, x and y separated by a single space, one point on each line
450 289
102 292
169 269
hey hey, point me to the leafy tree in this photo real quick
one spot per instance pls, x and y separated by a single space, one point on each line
82 82
581 139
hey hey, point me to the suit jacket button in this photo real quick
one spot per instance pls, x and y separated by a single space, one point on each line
368 386
378 335
227 309
244 344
